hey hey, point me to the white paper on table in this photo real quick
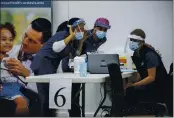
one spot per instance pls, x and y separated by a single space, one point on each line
60 93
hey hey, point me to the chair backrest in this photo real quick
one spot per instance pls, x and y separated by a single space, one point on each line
169 91
116 77
117 90
171 70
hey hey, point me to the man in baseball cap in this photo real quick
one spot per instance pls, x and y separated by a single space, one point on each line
98 35
102 22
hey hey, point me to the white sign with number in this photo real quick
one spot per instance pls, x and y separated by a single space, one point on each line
60 93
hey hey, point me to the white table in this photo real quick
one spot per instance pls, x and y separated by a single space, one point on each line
91 78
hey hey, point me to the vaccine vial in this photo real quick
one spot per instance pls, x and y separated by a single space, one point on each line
83 69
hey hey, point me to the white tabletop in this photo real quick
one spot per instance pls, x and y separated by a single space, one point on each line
91 78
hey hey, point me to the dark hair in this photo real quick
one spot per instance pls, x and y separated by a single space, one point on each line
42 25
10 27
139 32
62 26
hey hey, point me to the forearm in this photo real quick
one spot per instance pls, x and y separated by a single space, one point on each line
58 46
145 81
68 39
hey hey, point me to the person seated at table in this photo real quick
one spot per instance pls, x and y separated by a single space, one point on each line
153 75
10 85
62 44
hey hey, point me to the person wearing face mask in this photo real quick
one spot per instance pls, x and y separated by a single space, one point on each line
80 35
60 45
96 37
152 81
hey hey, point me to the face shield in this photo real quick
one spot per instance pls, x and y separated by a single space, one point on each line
80 28
132 43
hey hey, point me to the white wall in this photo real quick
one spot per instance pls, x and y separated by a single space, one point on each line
154 17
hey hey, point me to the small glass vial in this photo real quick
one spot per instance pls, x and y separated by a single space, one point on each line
83 69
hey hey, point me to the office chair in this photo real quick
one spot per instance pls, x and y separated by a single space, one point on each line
169 93
120 108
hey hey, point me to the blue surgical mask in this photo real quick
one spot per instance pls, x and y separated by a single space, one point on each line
79 35
100 34
133 45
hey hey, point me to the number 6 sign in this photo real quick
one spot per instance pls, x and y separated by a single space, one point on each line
60 93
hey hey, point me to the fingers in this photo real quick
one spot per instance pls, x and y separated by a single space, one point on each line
14 63
127 85
75 31
86 33
71 30
12 60
14 67
16 71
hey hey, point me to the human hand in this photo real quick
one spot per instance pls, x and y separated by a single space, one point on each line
129 84
85 36
16 67
71 32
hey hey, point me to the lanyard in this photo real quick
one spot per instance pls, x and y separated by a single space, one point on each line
14 76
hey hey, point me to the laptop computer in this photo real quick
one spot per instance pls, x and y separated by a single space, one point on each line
97 63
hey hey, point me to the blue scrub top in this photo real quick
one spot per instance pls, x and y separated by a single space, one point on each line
90 45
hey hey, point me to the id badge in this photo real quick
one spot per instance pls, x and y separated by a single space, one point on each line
71 63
